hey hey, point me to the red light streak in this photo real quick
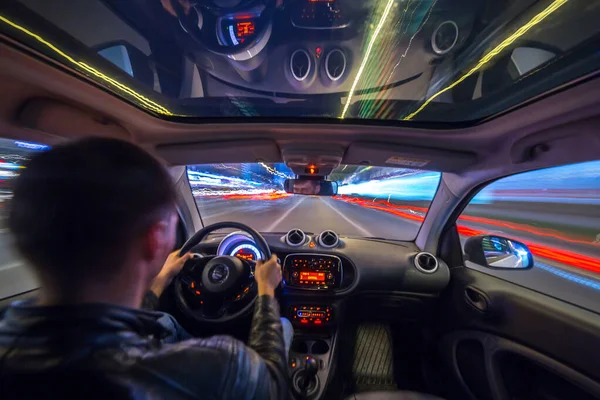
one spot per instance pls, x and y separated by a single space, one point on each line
551 253
392 209
266 196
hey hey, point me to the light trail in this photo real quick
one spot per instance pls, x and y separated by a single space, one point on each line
142 101
497 50
563 256
274 171
403 56
382 205
384 16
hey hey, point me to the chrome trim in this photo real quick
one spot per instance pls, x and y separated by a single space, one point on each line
303 78
421 268
337 240
343 69
434 46
313 254
292 244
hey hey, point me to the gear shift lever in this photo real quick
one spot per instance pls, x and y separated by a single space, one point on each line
310 371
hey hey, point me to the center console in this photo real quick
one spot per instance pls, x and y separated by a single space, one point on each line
310 279
312 271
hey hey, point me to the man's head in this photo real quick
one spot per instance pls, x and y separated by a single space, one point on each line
87 211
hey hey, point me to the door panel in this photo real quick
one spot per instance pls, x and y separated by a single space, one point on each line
523 345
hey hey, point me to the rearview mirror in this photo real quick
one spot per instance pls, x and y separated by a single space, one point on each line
314 187
498 252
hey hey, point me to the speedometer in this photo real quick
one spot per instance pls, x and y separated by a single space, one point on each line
246 251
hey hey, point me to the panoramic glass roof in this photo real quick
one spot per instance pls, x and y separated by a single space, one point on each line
397 60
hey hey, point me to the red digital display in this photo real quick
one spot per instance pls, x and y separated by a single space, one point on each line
310 277
244 28
311 315
245 254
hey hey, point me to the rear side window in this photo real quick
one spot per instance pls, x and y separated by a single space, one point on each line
556 213
15 278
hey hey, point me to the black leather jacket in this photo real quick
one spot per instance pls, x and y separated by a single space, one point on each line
109 352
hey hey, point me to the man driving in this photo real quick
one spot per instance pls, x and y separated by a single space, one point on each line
96 220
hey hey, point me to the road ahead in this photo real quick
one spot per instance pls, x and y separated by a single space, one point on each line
311 214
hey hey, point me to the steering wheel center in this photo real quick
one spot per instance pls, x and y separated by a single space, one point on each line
218 274
224 274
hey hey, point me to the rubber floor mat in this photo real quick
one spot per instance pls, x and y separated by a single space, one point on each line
372 366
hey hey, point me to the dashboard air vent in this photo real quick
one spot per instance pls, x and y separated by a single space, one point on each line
295 237
335 64
300 65
426 263
328 239
444 37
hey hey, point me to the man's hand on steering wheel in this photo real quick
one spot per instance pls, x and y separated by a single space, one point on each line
267 276
170 269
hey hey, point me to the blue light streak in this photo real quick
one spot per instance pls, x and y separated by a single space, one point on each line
571 277
31 146
421 186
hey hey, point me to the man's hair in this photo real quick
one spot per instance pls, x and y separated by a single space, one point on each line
79 207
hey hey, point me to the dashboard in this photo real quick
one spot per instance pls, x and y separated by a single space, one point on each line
326 264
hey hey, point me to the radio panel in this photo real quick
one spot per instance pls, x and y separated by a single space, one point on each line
312 271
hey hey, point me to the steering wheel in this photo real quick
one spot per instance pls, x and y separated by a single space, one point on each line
206 36
217 289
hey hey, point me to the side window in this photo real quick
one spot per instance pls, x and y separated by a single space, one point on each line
555 213
15 278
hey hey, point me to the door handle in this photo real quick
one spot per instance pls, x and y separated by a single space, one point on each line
477 299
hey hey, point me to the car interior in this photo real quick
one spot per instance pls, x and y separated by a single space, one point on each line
426 171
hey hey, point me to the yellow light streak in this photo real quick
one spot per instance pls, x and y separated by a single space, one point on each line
144 102
507 42
384 16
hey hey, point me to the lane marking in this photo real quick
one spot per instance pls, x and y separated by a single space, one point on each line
354 224
271 227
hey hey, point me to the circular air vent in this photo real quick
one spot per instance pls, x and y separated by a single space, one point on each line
295 237
328 239
426 262
444 37
300 65
335 64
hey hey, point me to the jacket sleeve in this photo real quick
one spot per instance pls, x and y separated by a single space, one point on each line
266 338
223 367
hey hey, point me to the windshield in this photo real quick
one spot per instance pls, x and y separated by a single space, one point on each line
398 60
383 202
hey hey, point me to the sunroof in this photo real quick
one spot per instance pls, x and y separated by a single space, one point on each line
393 60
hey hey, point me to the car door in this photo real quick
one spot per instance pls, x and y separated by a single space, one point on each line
526 333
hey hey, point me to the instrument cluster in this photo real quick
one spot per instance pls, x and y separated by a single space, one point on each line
239 244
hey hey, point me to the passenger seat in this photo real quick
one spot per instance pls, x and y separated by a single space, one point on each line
392 395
